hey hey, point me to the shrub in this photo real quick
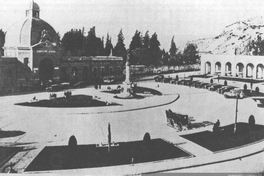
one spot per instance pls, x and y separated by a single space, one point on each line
245 86
177 78
225 83
251 120
257 90
146 138
72 143
211 81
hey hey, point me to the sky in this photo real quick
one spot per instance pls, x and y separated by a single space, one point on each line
184 19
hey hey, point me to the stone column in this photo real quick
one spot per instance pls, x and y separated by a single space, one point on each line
254 72
223 69
233 69
245 72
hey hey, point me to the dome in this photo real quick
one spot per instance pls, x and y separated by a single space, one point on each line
28 31
34 6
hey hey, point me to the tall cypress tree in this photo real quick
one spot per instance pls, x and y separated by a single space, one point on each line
108 46
2 42
173 48
155 52
120 49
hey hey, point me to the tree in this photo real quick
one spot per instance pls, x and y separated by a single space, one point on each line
190 54
155 52
120 49
108 46
72 143
136 41
251 120
2 42
257 46
135 48
72 42
173 48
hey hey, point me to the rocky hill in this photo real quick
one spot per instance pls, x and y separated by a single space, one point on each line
234 39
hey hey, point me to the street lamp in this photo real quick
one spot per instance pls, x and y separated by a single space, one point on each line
235 126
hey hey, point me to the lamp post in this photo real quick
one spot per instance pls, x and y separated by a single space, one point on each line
235 126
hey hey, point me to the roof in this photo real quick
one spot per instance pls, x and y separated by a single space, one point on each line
27 32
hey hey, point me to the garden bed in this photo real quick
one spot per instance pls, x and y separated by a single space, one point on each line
226 138
91 156
73 101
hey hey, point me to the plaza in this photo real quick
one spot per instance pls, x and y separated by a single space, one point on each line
53 127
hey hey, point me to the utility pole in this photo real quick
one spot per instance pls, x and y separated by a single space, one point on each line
235 126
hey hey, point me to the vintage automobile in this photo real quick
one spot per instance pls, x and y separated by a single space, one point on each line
235 93
224 89
54 88
214 87
80 84
109 79
167 80
159 78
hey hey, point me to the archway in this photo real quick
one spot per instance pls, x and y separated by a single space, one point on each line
218 68
46 71
250 68
63 74
207 68
228 69
74 75
240 70
85 74
259 73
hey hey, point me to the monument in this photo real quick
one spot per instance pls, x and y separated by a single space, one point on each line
127 89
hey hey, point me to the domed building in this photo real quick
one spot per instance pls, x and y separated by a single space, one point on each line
33 57
36 44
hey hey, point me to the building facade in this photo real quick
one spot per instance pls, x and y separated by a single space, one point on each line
245 66
33 56
90 69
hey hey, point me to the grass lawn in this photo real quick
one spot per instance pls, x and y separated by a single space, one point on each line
74 101
137 90
6 134
226 138
90 156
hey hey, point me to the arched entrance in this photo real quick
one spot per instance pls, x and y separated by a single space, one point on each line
240 70
260 68
45 71
250 68
207 68
228 69
74 75
63 74
85 74
218 68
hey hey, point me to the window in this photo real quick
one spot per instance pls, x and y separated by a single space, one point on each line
94 72
110 71
102 71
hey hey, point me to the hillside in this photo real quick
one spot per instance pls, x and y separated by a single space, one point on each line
234 39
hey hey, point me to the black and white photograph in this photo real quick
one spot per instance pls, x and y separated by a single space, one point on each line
132 87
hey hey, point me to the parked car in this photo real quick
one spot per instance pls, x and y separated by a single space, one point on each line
224 89
80 84
54 88
214 87
166 80
159 78
65 85
194 83
109 79
234 93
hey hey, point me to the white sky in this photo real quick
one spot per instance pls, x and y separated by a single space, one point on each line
184 19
